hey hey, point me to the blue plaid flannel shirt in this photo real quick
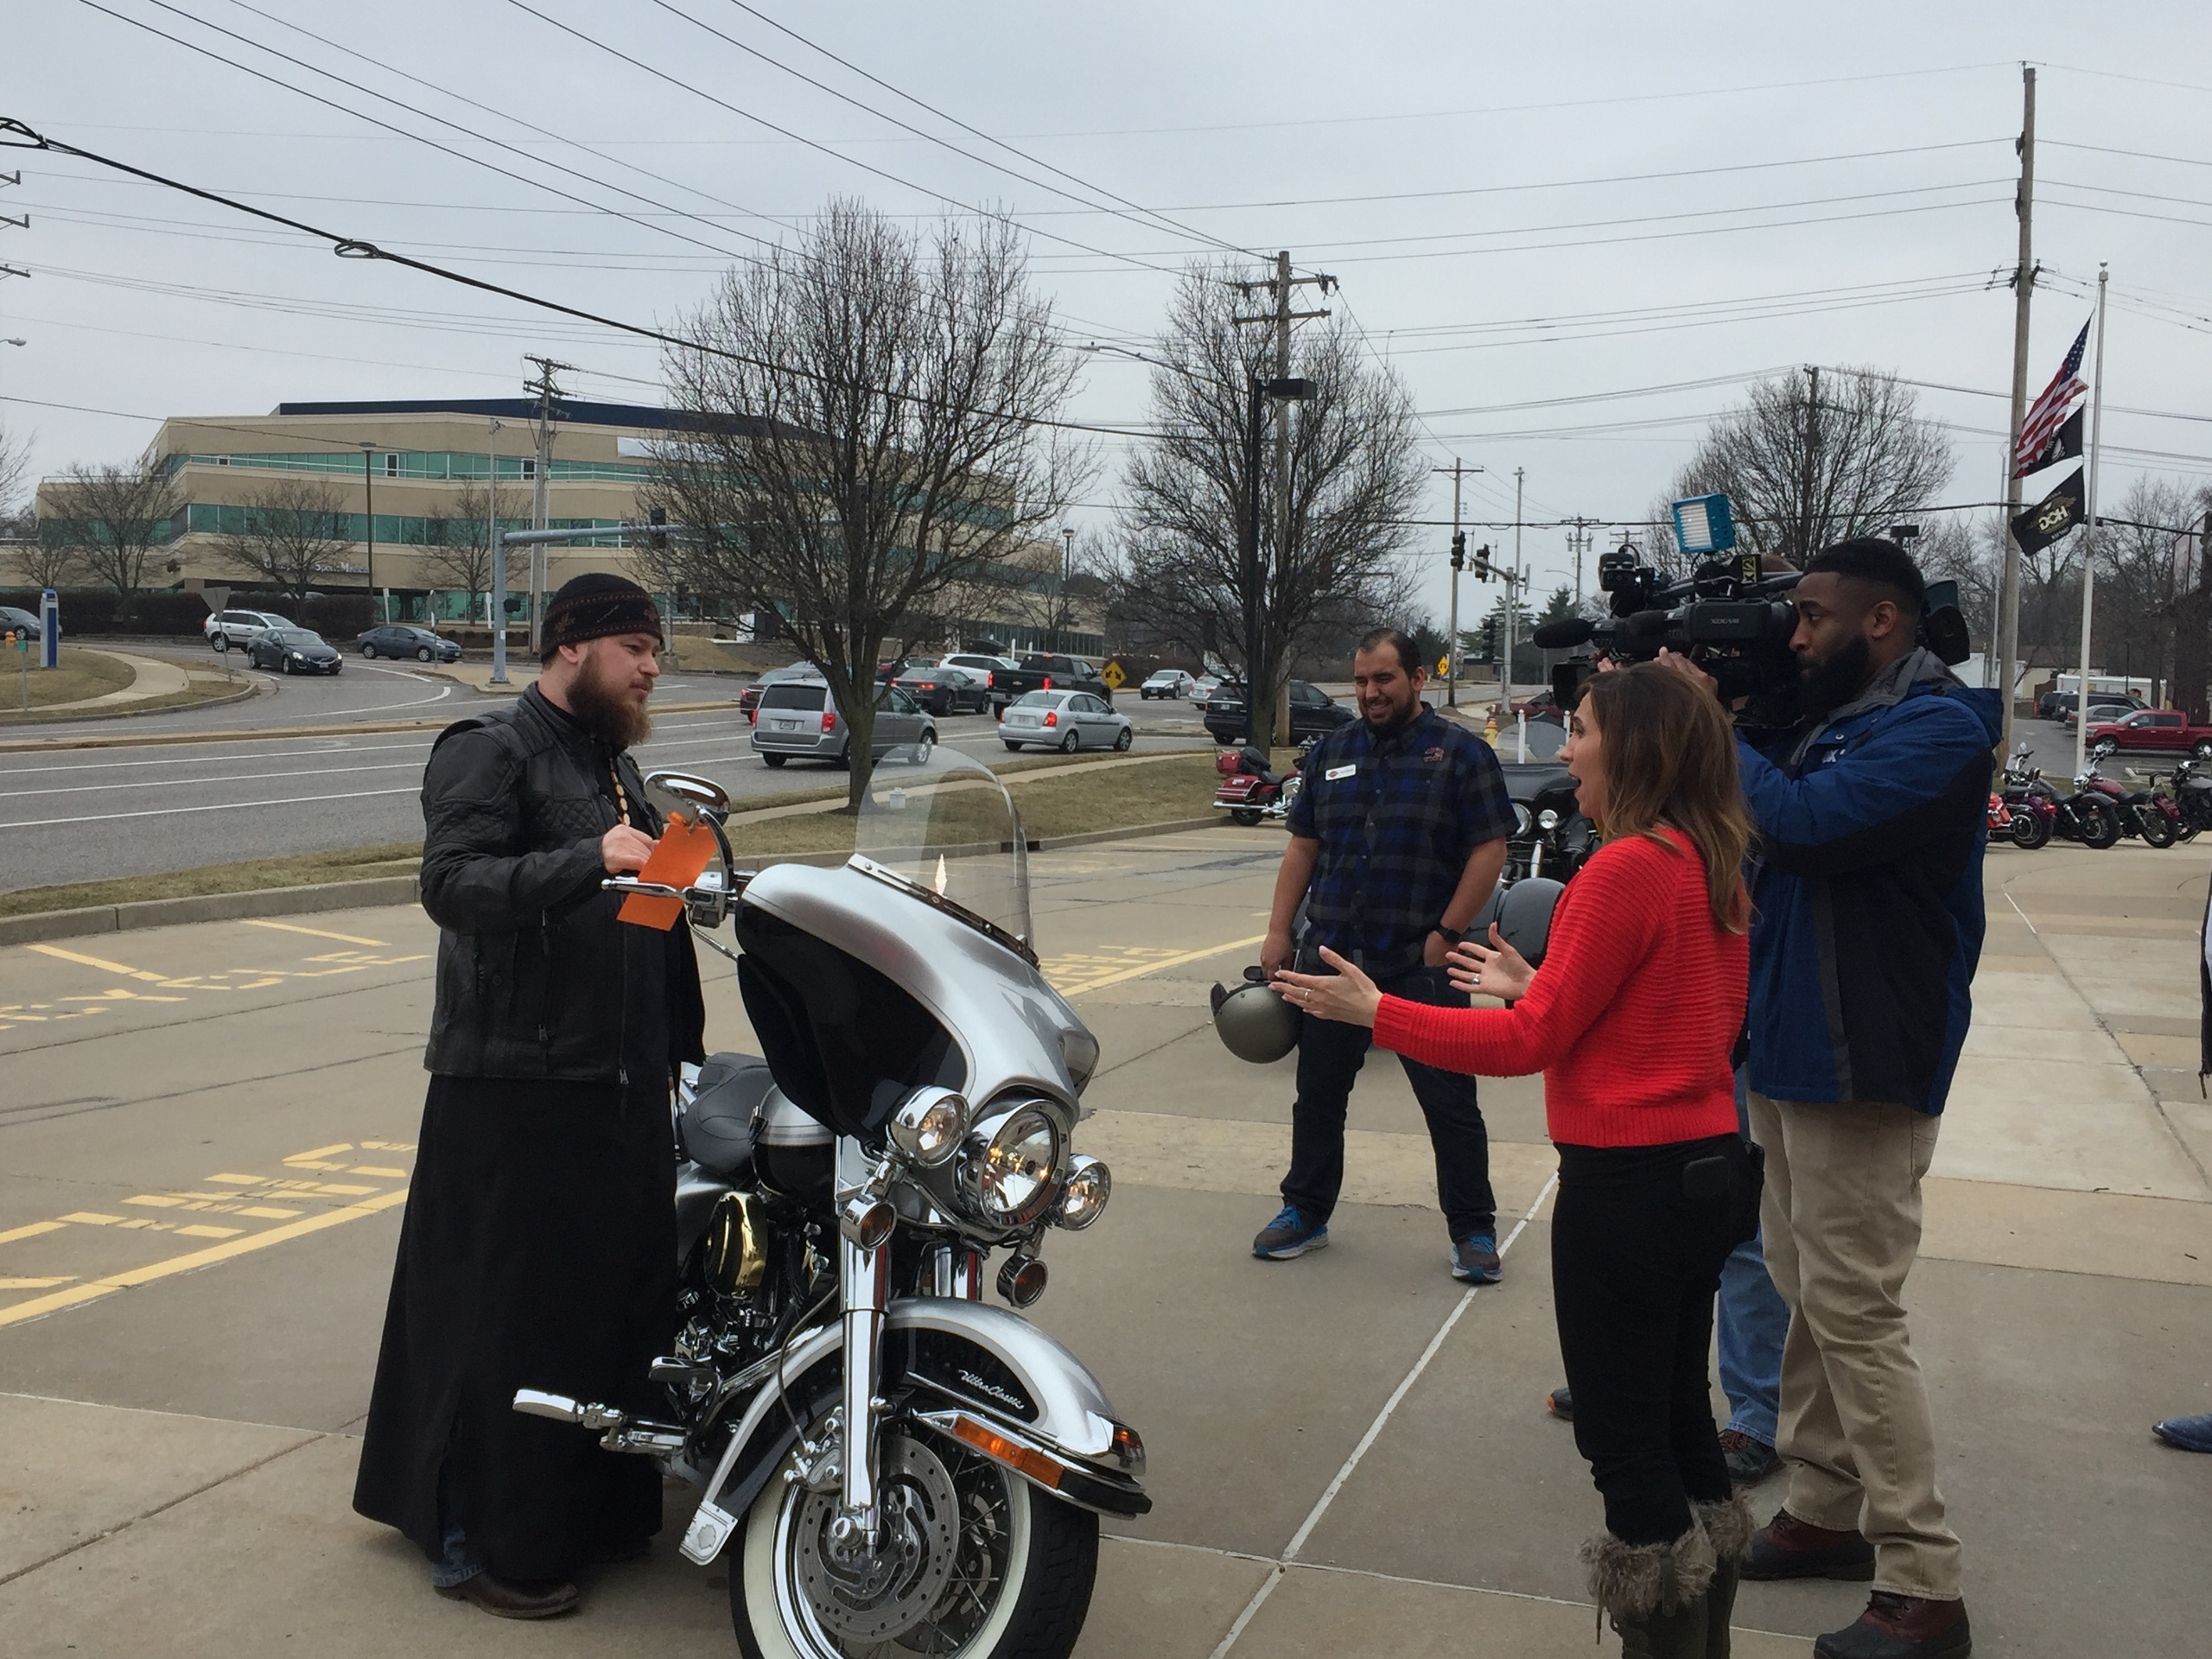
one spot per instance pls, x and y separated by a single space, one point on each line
1397 818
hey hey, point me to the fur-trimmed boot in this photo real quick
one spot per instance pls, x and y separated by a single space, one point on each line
1655 1594
1728 1527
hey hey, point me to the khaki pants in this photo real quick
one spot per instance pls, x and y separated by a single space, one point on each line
1842 1224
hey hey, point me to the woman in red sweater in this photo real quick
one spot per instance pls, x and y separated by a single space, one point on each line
1631 1020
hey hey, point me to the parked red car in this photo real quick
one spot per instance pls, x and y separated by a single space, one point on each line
2164 730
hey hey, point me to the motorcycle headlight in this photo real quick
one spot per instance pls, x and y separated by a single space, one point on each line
1522 823
1009 1165
928 1128
1082 1200
1547 819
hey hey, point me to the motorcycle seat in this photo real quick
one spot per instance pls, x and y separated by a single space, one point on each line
715 1130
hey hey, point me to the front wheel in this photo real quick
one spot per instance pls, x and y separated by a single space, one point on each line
423 655
1123 738
2203 752
981 1565
919 755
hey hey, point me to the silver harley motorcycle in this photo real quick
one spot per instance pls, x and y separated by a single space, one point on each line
892 1464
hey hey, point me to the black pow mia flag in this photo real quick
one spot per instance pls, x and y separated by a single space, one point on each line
2052 517
2065 444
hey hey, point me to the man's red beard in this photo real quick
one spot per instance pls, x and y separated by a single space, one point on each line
605 710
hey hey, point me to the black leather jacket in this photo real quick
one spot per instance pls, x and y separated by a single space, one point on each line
535 975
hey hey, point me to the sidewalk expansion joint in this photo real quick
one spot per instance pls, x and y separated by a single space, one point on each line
1289 1558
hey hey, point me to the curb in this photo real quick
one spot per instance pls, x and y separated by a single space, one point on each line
272 734
384 890
125 712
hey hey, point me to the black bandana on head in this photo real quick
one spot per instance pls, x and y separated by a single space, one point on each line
592 606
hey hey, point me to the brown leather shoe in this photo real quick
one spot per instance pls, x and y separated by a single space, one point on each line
516 1597
1787 1547
1901 1627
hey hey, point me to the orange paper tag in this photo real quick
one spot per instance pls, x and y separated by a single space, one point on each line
679 857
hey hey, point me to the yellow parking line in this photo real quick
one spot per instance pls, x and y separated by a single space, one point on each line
316 932
1177 960
99 962
34 1284
94 1289
31 1231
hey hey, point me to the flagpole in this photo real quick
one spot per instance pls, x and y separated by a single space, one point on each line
2089 534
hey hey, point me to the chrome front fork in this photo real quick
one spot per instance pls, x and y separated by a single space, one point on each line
864 1280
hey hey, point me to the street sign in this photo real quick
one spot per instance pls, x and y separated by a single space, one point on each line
1443 666
1113 675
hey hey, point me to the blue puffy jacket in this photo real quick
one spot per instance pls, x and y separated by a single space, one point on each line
1868 916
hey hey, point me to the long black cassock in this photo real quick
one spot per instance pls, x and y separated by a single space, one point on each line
538 1248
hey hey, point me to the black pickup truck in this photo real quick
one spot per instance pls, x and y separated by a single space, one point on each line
1314 712
1047 671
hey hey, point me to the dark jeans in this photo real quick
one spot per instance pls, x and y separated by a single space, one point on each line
1635 1261
1330 1055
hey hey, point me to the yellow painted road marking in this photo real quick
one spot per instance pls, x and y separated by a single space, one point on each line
209 1232
299 1158
35 1284
104 965
93 1291
155 1201
237 1180
1144 968
31 1231
342 1192
373 1169
86 1219
315 932
269 1213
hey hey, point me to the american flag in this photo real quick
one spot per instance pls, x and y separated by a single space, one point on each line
2048 410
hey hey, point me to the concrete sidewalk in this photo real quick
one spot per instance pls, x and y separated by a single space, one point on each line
1348 1452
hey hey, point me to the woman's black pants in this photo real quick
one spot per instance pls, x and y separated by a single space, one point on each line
1638 1237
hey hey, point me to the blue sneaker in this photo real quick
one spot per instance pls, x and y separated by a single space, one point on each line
1287 1235
2188 1433
1475 1260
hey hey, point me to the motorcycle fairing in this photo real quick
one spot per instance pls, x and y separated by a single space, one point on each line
1012 1030
1027 1385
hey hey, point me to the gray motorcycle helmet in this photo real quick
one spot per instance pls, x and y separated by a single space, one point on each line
1524 916
1255 1023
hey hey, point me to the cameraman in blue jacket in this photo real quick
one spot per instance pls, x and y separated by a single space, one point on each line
1868 921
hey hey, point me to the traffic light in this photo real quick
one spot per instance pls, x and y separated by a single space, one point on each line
1459 549
1481 562
658 538
1490 640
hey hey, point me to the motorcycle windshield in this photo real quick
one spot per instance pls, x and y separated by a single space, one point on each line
946 828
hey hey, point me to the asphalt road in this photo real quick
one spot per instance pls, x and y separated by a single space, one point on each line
84 815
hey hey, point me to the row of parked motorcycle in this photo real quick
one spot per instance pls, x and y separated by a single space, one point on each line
2098 812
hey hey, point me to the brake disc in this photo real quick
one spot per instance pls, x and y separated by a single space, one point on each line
878 1595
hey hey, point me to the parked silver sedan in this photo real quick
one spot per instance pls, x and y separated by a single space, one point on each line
1066 721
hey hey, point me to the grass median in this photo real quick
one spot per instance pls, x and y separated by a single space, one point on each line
1090 797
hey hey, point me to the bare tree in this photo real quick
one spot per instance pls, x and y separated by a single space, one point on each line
1803 472
15 468
295 534
872 434
1354 477
115 518
457 549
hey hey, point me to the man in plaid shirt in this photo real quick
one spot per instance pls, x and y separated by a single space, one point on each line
1397 837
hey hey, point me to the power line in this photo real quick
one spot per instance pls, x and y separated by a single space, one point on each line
347 247
420 138
811 143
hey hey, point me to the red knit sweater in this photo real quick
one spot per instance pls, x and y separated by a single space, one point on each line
1631 1017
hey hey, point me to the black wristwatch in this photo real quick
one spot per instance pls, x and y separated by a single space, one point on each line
1452 935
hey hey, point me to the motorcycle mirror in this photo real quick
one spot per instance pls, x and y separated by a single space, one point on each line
691 788
1524 916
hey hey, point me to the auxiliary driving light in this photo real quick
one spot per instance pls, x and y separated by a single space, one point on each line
928 1128
1084 1200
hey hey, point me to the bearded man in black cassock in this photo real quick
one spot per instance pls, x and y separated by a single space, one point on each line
539 1245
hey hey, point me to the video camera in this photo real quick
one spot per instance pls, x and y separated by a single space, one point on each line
1729 616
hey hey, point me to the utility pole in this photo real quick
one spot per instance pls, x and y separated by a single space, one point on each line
1809 467
1578 542
6 223
549 393
1512 594
2024 284
1458 563
369 519
1280 318
497 545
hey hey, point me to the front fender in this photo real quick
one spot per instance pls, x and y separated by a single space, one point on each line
978 1361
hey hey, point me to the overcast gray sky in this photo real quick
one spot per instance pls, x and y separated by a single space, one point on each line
1576 230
